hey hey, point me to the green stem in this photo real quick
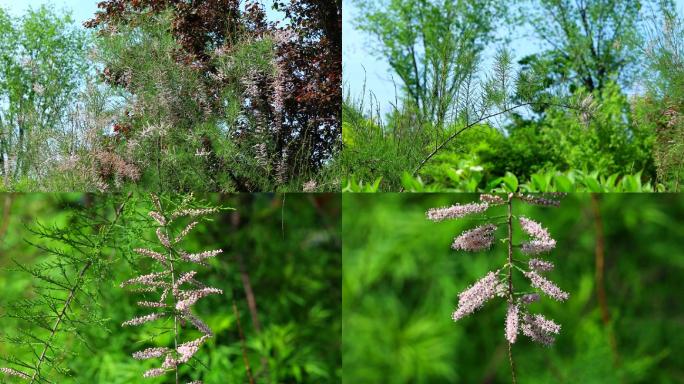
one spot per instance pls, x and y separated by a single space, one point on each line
510 276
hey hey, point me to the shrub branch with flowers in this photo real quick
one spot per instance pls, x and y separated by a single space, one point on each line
499 283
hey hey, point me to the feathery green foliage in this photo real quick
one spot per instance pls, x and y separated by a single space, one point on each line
279 272
64 301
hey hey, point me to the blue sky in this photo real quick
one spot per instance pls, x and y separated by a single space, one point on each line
82 10
360 63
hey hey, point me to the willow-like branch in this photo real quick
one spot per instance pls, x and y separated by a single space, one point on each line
72 293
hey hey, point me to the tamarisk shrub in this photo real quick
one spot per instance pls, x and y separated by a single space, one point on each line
499 283
179 291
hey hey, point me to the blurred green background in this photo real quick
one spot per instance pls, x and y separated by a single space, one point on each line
290 248
401 281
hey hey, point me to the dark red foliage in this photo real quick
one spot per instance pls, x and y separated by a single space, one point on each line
314 64
197 25
122 129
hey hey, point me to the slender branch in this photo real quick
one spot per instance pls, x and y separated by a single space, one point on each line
249 292
175 315
60 317
466 127
242 342
600 274
509 223
173 287
70 297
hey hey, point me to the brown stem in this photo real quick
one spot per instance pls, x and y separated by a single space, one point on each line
6 214
599 253
249 292
509 223
70 298
242 342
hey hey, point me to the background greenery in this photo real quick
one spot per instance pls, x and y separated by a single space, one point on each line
290 247
401 280
600 98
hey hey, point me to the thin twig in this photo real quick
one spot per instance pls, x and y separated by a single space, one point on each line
70 297
472 124
242 342
249 292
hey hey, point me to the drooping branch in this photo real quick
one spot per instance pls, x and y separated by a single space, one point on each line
479 120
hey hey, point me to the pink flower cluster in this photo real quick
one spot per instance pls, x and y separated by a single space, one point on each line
193 212
14 372
474 297
529 298
541 240
540 265
150 353
456 211
539 200
198 258
185 232
512 323
150 253
477 239
143 319
539 329
546 286
492 199
189 298
494 284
